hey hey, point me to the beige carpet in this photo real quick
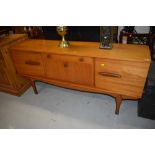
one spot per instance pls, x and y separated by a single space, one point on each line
56 107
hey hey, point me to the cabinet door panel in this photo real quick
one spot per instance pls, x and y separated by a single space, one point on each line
69 68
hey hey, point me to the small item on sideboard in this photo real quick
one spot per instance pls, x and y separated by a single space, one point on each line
62 31
134 38
106 37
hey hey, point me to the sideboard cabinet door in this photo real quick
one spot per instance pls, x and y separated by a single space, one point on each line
74 69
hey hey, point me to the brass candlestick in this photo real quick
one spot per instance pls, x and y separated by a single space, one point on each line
62 31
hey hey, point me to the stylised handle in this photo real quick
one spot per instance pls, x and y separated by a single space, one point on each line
34 63
115 75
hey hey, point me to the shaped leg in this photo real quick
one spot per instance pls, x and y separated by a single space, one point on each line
34 86
118 103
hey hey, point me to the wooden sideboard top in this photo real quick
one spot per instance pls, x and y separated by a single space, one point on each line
127 52
8 39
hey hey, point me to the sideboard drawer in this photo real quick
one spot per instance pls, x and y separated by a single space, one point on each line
29 63
123 77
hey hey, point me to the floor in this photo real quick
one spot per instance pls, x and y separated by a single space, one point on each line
60 108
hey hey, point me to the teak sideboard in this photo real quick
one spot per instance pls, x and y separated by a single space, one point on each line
120 72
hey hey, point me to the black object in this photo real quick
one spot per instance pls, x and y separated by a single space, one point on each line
129 29
84 33
5 30
152 42
152 46
146 105
76 33
152 29
50 33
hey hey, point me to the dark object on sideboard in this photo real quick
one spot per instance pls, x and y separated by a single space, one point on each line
106 37
135 38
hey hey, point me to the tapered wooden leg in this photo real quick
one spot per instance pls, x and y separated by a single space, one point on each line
34 86
118 103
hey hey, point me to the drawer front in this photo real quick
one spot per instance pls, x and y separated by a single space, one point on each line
75 69
123 77
28 63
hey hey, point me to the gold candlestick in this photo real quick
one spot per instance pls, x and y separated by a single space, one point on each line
62 31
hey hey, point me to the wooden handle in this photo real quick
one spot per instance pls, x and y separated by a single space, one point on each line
34 63
115 75
65 65
81 59
49 56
